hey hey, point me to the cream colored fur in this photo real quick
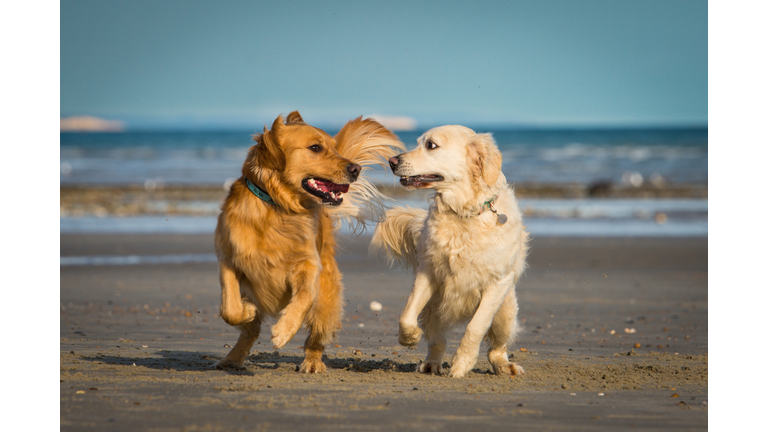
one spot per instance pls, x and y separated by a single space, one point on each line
466 263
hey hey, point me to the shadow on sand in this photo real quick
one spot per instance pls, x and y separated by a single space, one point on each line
188 361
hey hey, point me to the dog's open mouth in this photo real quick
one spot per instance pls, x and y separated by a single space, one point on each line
328 191
418 181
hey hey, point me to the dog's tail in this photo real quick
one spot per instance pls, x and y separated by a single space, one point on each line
365 142
398 235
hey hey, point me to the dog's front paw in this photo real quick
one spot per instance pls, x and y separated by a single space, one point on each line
508 368
312 366
249 310
431 368
228 363
281 334
409 335
460 366
285 329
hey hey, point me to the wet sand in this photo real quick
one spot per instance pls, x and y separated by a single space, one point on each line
615 336
121 200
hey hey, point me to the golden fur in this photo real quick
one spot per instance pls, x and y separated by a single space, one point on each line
466 261
279 260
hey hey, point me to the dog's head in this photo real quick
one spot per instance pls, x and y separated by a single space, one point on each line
298 160
447 158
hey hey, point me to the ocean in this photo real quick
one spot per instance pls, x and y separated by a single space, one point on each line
671 156
530 156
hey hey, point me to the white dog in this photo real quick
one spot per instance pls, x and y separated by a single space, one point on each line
467 251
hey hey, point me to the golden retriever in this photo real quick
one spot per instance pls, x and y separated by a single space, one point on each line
467 251
275 235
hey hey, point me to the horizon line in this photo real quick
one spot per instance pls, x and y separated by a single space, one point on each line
211 124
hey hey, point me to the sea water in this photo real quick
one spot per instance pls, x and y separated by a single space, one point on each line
529 155
582 156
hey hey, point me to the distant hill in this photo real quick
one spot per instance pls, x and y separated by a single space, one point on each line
395 123
90 124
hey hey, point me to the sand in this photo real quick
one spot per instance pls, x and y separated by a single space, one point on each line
200 200
615 337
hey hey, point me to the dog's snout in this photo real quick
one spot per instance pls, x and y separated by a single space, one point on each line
393 161
354 169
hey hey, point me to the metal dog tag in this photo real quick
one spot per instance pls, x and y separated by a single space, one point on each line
501 218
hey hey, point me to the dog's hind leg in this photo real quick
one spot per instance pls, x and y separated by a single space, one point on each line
249 332
324 319
503 330
313 353
434 333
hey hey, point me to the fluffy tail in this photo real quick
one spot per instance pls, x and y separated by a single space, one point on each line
398 234
367 143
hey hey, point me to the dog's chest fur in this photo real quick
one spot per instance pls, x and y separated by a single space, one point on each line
266 247
467 256
463 254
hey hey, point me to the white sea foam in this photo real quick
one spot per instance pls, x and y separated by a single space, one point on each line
549 156
543 217
138 225
93 260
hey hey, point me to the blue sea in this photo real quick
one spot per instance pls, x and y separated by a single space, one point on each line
530 155
543 156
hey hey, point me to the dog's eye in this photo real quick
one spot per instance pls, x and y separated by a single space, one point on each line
431 145
315 148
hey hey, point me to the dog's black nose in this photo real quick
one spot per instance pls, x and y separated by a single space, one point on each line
354 169
393 161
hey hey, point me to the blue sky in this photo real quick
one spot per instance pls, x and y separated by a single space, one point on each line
239 63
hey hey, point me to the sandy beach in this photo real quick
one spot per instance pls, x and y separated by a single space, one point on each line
596 114
615 337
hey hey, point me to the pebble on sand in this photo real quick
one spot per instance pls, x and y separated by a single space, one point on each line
376 306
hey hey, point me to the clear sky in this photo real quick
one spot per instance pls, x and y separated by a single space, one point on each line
240 63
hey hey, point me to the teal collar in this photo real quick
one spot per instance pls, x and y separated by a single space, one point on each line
500 217
488 205
259 193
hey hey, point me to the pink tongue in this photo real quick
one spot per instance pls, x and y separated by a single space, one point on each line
331 187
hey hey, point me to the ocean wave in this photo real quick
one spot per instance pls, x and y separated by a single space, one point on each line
678 156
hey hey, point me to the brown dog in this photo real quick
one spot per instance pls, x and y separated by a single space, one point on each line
275 236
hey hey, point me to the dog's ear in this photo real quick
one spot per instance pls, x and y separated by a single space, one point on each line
366 141
294 117
485 157
270 154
